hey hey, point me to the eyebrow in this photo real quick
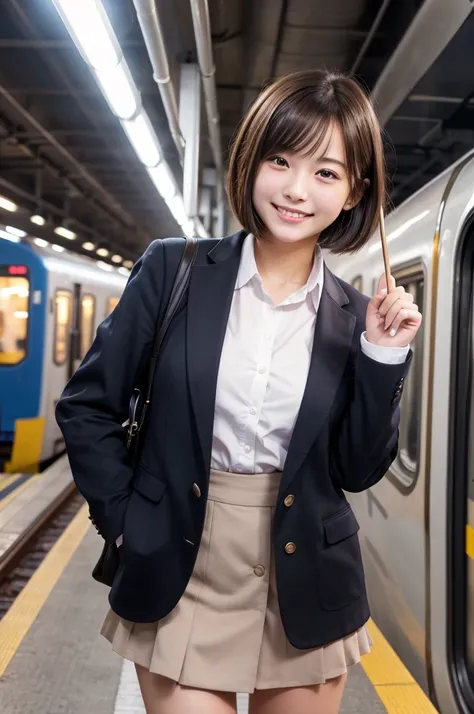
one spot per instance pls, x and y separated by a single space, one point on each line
328 159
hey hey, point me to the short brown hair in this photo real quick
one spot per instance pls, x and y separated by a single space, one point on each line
293 114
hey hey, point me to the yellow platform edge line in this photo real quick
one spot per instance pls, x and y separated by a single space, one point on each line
11 496
29 602
395 686
470 541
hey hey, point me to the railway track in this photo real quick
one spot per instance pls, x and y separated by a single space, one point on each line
20 561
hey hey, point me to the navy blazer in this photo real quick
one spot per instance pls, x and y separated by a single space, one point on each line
345 438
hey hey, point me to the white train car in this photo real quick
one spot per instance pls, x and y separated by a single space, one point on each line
417 524
50 307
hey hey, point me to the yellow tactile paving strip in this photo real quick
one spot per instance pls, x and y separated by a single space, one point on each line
396 688
26 607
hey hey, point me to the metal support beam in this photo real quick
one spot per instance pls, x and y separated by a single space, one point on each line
433 27
190 124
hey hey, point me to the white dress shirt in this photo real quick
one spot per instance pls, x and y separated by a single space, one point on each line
264 367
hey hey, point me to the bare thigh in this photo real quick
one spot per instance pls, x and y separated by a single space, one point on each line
320 699
164 696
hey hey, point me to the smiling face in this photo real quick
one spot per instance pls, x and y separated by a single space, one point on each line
297 195
307 163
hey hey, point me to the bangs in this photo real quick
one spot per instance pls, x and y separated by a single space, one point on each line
298 126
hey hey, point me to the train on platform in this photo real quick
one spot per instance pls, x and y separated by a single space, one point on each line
51 304
417 524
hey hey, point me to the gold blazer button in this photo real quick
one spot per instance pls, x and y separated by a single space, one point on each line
289 500
197 490
290 548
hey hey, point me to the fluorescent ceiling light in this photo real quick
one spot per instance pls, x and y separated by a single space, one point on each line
176 207
88 246
40 242
119 90
65 233
104 266
7 205
103 252
128 263
163 180
39 220
116 259
90 28
9 236
143 139
124 271
57 248
200 230
16 231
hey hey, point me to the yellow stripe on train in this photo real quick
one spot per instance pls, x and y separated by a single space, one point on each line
27 446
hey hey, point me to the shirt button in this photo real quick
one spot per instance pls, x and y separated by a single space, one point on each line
247 449
290 548
259 571
262 370
252 411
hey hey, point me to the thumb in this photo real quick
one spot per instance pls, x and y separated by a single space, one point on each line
383 283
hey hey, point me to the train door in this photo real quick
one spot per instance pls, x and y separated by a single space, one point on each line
392 514
460 580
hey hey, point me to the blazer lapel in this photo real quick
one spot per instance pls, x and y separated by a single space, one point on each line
210 296
331 349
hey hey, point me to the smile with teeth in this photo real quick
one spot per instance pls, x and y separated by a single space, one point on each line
291 214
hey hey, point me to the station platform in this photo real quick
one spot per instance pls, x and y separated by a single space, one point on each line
53 660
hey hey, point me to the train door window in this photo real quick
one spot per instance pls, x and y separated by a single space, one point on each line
14 295
404 471
112 303
87 322
62 325
358 283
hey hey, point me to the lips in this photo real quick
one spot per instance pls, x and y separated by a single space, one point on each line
291 215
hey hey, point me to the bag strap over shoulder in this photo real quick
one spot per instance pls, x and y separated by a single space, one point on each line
138 407
179 288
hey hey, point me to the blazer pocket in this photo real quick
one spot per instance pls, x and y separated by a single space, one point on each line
148 485
342 574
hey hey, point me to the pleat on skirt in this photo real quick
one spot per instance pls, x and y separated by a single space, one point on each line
226 633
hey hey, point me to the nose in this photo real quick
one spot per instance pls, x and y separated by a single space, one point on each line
295 189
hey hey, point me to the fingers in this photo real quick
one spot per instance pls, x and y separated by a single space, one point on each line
409 317
405 304
383 283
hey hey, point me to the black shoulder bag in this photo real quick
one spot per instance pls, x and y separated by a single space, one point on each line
108 563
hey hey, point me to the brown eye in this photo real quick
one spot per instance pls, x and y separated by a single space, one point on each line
326 174
278 161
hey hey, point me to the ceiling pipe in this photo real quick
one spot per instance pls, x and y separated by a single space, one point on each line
111 205
433 27
370 36
153 36
202 33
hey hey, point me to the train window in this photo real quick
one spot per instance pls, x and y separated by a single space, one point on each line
405 468
62 325
14 295
358 283
87 323
112 303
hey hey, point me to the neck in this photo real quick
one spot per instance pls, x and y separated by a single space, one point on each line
282 262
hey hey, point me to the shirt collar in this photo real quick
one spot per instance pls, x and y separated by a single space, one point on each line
314 285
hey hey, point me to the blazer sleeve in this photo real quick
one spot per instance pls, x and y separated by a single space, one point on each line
95 402
365 442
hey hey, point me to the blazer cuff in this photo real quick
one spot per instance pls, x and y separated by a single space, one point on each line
386 355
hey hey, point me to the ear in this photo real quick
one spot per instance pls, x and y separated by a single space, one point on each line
354 198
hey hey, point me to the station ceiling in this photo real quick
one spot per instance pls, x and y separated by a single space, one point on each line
63 152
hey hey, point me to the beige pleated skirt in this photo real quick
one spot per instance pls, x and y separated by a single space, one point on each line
226 633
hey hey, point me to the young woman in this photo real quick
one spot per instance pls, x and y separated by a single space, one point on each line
277 389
